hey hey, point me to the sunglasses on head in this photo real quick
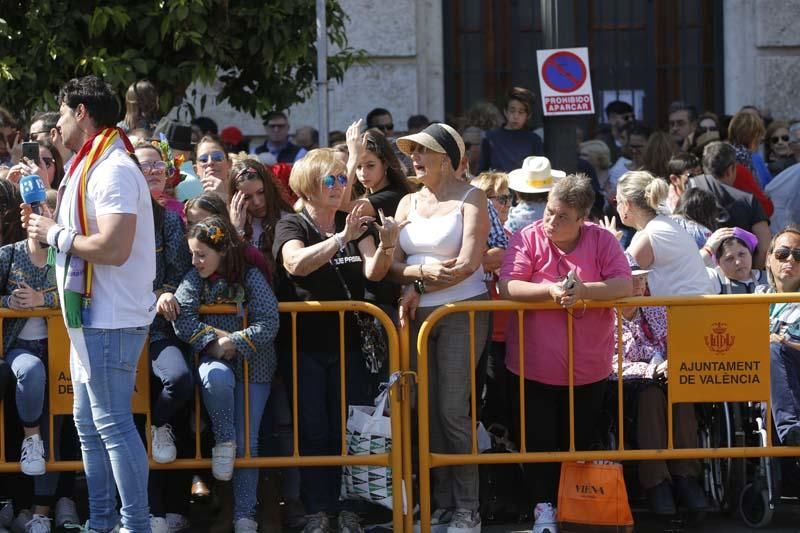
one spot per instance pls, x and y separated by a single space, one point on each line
778 138
502 199
330 181
783 253
216 156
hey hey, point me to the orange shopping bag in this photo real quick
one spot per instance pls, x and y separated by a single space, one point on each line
593 494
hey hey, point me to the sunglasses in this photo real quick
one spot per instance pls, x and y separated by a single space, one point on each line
502 199
778 138
48 161
383 127
216 156
330 181
783 253
156 167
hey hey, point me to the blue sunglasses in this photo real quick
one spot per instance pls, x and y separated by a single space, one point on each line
330 181
216 156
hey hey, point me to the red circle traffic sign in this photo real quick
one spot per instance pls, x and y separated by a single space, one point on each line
564 72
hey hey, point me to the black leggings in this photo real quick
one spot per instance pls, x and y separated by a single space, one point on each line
547 429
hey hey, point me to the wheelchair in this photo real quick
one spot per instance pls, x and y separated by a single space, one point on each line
719 426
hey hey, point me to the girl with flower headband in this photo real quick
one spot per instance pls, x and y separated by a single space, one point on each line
172 387
221 274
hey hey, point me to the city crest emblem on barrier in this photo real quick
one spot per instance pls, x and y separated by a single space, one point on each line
720 340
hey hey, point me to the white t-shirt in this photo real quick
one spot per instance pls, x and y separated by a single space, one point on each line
677 269
122 296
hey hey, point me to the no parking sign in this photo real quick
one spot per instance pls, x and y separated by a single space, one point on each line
565 82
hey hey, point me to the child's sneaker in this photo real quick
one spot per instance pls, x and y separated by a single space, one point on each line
544 516
32 459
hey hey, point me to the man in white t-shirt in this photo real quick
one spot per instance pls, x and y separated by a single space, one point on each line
116 301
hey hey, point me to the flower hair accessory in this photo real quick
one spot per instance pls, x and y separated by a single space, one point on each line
215 233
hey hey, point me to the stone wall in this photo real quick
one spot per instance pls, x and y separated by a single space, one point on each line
762 55
403 42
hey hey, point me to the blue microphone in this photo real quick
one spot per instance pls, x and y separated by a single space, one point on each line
34 194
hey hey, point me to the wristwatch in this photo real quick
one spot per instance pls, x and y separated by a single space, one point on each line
419 286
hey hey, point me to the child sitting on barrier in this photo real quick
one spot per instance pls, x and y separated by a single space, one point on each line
734 273
29 283
221 275
644 367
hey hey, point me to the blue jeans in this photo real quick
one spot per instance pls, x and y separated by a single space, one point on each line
785 384
174 385
223 398
28 361
114 456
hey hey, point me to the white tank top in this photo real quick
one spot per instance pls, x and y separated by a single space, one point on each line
433 240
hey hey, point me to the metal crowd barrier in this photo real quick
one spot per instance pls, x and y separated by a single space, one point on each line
60 398
734 330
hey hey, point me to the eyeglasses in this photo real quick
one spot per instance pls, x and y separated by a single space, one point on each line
783 253
278 126
502 199
330 181
383 127
216 156
778 138
156 167
48 161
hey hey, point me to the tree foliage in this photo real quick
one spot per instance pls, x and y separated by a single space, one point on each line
261 54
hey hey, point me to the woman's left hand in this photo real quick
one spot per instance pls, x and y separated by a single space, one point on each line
389 229
26 297
238 211
409 302
227 347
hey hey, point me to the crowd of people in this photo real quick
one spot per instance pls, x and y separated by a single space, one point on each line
147 219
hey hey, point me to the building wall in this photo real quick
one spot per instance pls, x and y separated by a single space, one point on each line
762 55
403 42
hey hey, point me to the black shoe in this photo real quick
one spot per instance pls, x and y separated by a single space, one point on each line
792 437
660 499
690 493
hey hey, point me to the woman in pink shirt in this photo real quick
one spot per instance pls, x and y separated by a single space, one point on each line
535 269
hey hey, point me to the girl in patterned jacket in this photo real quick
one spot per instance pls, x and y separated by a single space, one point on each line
223 342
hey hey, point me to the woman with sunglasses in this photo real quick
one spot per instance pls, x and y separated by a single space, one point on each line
783 273
323 253
213 165
53 164
172 387
777 150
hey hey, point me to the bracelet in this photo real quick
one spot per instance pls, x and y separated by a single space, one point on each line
65 239
419 286
339 241
52 234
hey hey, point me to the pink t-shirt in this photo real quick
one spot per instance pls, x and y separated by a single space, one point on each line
532 257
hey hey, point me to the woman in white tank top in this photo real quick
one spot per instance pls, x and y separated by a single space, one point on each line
439 262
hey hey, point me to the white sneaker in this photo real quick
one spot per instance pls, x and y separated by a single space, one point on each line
158 525
32 458
66 513
245 525
38 524
177 522
544 516
465 521
222 457
163 441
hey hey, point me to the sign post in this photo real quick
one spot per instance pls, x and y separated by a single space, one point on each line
565 82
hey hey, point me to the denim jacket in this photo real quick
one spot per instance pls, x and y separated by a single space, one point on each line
254 343
173 261
16 267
